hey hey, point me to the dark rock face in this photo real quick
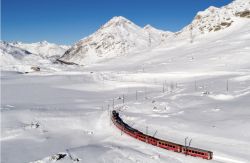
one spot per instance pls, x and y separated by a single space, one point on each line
227 24
243 14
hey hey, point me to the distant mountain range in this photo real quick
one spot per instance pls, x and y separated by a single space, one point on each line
44 48
23 55
120 36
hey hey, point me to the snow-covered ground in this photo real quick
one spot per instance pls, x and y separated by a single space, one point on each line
61 114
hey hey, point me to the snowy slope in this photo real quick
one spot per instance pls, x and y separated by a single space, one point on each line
44 48
117 37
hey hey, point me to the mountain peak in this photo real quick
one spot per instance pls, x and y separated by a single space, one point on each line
117 21
44 42
148 26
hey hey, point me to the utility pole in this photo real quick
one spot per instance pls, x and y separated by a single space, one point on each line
195 85
166 85
145 93
123 98
155 133
227 86
186 145
109 113
189 144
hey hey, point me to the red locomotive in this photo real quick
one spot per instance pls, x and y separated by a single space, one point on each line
196 152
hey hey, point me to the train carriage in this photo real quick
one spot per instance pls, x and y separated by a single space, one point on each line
169 146
196 152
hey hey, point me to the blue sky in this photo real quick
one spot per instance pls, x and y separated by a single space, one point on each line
67 21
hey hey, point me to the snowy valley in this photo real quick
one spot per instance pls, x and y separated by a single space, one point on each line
193 83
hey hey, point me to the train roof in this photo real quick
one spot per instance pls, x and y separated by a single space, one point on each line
198 149
169 142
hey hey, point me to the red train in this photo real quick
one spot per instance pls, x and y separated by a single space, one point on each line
196 152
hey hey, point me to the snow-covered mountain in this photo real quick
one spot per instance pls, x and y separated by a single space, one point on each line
215 19
117 37
44 48
120 36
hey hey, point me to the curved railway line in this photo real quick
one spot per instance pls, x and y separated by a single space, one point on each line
196 152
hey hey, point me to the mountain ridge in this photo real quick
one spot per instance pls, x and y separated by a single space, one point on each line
106 42
43 48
